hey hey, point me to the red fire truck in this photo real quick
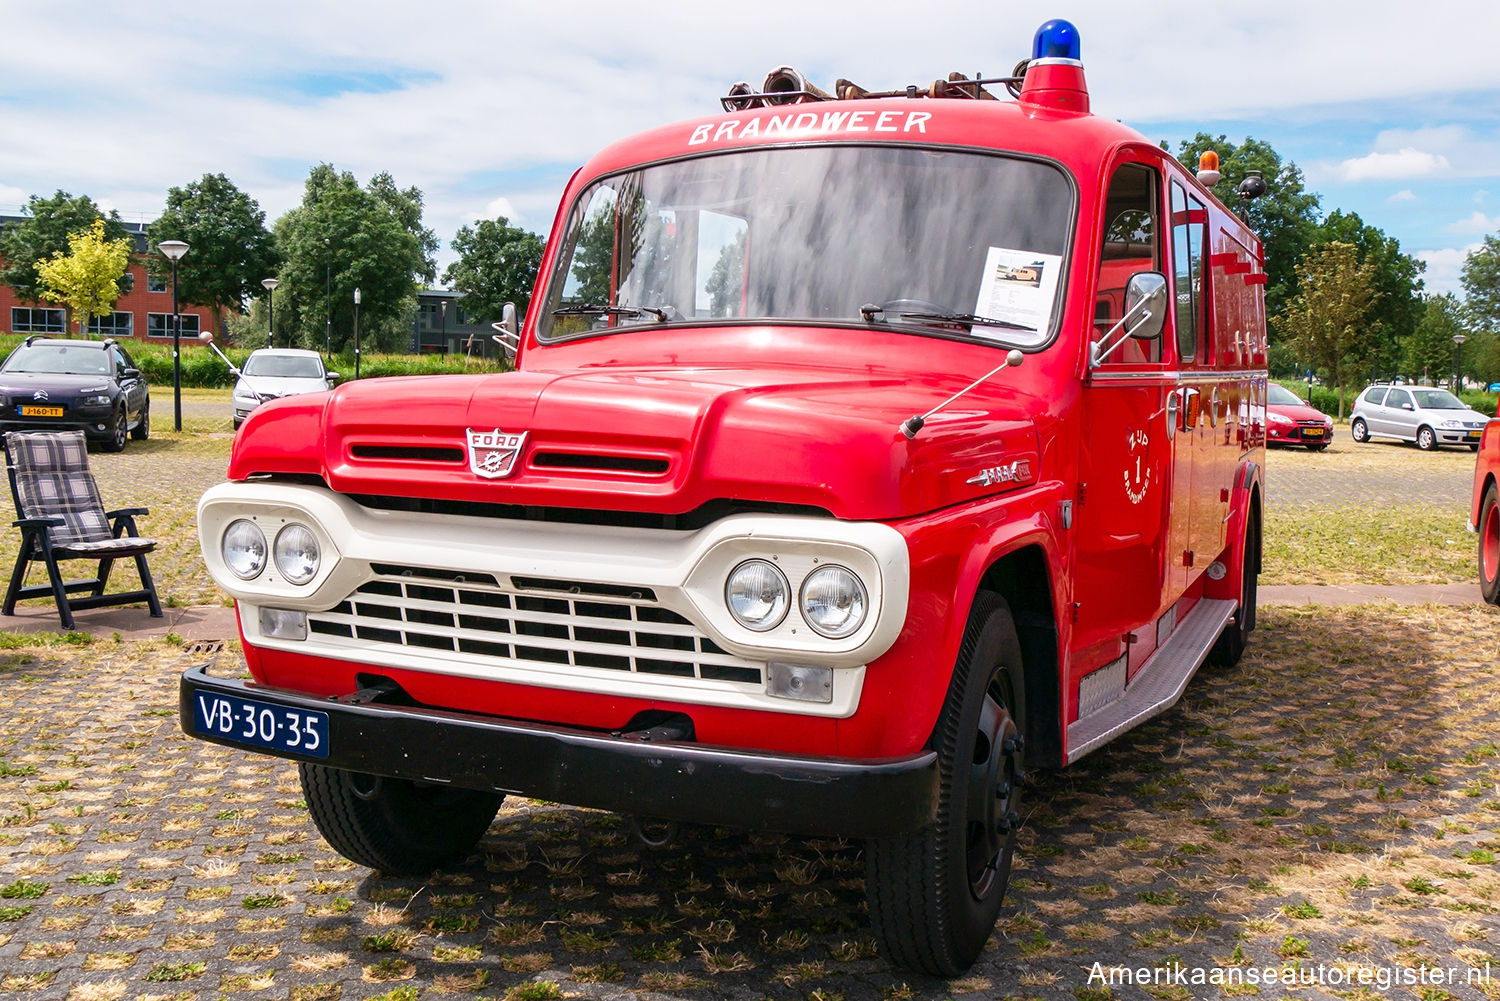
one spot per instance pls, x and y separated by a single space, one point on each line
863 453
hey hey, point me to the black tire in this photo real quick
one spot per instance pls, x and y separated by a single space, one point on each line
1426 438
1317 448
117 432
934 895
1473 448
1489 545
1231 643
142 429
1359 430
392 825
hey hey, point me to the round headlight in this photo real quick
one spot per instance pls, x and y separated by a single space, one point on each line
297 555
244 549
757 595
834 602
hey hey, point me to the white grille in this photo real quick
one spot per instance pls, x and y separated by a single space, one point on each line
528 622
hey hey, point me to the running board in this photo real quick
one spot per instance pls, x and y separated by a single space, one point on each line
1159 684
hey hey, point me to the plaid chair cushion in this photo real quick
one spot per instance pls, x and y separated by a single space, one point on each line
53 480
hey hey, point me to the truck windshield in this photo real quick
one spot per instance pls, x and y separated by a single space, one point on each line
961 243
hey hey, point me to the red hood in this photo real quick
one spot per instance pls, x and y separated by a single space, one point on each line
1297 412
660 439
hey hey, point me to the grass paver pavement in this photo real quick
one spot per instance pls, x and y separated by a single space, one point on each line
1333 801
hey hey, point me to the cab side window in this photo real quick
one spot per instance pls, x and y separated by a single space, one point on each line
1130 245
1397 398
1188 218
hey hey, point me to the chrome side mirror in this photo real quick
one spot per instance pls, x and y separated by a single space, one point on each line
1145 315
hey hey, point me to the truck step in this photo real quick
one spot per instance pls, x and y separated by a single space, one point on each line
1159 684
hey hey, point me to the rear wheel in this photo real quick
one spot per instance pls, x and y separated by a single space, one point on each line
1426 439
1489 545
142 429
934 895
1236 636
1359 430
393 825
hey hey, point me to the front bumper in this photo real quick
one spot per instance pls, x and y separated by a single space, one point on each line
92 421
624 773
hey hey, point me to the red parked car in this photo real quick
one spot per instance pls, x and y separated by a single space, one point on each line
1484 513
1291 420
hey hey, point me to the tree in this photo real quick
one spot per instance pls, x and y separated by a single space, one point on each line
231 247
87 278
1396 305
1284 218
497 263
1327 322
1481 281
1428 352
43 234
726 279
342 237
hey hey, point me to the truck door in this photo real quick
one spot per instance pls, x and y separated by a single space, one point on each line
1126 449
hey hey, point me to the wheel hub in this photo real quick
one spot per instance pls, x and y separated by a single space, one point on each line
992 789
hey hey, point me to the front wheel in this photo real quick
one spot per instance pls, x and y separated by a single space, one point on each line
934 895
393 825
1359 431
1426 439
1489 545
117 432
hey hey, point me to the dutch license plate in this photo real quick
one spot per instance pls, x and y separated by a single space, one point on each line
1312 432
1475 435
259 724
29 411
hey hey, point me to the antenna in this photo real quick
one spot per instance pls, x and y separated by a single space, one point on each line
912 425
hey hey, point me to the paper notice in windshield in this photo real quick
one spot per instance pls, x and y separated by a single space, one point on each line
1017 286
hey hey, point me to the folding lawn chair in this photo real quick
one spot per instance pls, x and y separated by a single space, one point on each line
61 517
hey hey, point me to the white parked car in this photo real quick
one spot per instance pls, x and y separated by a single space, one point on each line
1430 417
271 373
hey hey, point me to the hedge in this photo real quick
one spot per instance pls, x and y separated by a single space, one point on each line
201 368
1326 398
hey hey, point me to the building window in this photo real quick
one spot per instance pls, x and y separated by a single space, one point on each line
155 283
115 324
25 320
160 324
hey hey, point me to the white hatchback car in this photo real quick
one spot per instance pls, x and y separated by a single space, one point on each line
271 373
1430 417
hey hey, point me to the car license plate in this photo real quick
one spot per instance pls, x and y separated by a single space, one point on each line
1312 432
259 724
30 411
1475 435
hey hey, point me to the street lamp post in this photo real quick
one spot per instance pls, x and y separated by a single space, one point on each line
1458 344
356 333
444 307
174 249
327 297
269 284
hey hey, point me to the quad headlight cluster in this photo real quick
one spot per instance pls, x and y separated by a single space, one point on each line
295 551
832 600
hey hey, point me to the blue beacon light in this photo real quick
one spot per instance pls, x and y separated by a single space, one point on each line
1057 39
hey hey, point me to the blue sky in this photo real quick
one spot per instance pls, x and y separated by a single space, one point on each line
488 107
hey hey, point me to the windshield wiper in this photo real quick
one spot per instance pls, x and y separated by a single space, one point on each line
971 319
587 309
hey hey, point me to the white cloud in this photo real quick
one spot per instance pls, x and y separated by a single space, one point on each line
1444 267
500 207
1404 163
1404 195
1476 223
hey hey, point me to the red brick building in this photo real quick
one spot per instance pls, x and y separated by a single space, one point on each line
143 314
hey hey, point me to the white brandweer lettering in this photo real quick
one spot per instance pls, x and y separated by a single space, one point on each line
829 122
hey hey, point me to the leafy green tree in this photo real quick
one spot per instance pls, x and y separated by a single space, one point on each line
43 233
1428 352
497 263
1396 305
1327 321
726 278
1481 281
87 278
344 236
231 248
1284 218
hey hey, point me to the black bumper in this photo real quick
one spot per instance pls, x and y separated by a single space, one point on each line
672 780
